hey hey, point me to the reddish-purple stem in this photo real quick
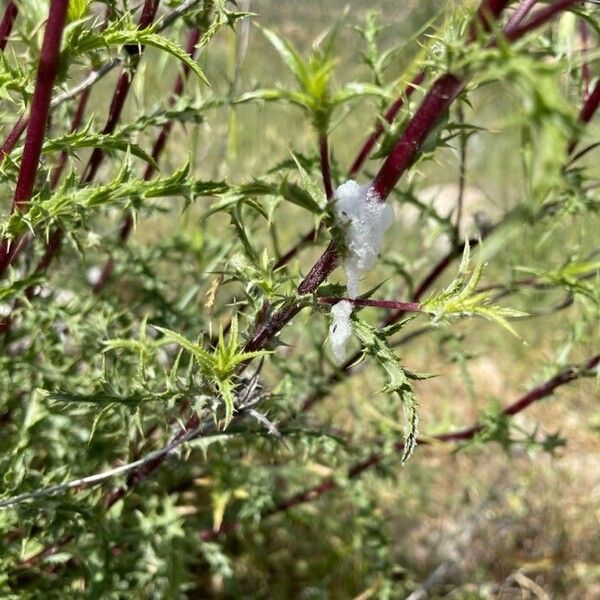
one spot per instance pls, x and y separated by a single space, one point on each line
75 125
437 101
393 304
539 18
487 14
13 136
121 91
325 168
157 149
519 14
461 435
8 20
590 106
40 103
40 107
389 116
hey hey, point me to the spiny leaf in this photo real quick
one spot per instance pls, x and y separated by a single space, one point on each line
461 298
91 139
398 380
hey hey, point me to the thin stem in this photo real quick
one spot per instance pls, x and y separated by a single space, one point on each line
462 170
389 116
6 25
13 137
488 13
121 91
75 125
394 304
157 150
590 106
40 107
585 67
325 167
461 435
539 18
40 104
519 14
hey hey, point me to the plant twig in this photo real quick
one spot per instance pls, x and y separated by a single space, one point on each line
520 12
8 19
539 18
325 167
40 108
91 480
121 91
462 170
157 150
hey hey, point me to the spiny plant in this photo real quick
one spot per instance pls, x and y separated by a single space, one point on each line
145 455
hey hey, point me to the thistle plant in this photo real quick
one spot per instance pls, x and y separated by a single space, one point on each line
171 401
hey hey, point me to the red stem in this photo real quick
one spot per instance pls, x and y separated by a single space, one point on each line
590 106
40 107
389 116
75 125
437 101
40 104
14 136
519 14
315 492
122 90
8 20
488 13
541 17
157 150
325 168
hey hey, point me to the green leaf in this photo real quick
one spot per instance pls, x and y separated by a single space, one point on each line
398 380
90 139
205 359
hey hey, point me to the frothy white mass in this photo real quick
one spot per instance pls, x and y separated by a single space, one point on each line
340 330
364 218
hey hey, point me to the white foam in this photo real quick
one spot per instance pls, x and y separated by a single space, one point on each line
340 330
364 219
